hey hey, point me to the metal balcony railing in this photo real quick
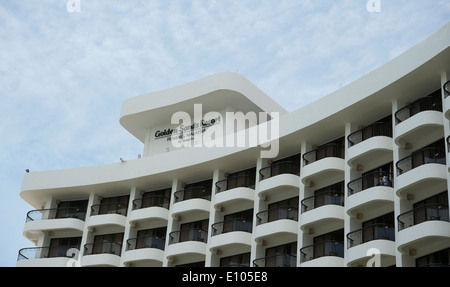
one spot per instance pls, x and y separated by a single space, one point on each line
109 208
323 198
279 260
373 130
47 252
151 201
191 234
235 224
421 157
327 150
103 248
446 88
150 241
371 232
234 182
277 213
325 248
281 167
193 192
428 103
55 213
427 212
372 179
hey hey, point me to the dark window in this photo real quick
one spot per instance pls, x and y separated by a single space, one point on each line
240 260
108 243
151 238
60 246
281 256
438 259
117 204
159 198
240 221
72 209
379 228
432 208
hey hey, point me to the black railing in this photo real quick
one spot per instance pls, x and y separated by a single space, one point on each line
321 249
371 232
277 213
446 89
151 201
428 103
327 150
281 167
427 212
109 208
103 248
448 144
192 234
279 260
421 157
373 130
56 213
323 198
47 252
371 179
235 181
150 241
235 224
193 192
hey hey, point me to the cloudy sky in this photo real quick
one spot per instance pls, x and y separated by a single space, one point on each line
64 76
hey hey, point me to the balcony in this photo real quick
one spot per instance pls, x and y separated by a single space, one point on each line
328 197
191 200
371 194
324 163
328 253
105 215
145 251
275 222
187 244
58 256
280 179
423 227
380 236
446 88
422 174
55 219
152 208
236 192
370 146
420 122
279 260
235 233
102 254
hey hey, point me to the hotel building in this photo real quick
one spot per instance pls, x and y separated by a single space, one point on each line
360 178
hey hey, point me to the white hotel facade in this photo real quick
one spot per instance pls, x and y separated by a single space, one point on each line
361 172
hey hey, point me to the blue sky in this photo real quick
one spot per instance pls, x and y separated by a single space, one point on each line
64 76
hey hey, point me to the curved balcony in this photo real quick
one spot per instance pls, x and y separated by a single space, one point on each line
380 236
281 167
187 244
59 256
446 88
371 194
112 217
326 162
238 195
273 223
323 198
370 146
55 219
234 233
327 253
279 260
154 208
145 251
422 174
101 254
322 219
420 122
423 227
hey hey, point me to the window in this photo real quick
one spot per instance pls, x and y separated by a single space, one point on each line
194 231
240 260
117 204
285 209
329 244
245 178
440 258
72 209
432 208
159 198
240 221
151 238
282 256
108 243
332 194
379 228
60 246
